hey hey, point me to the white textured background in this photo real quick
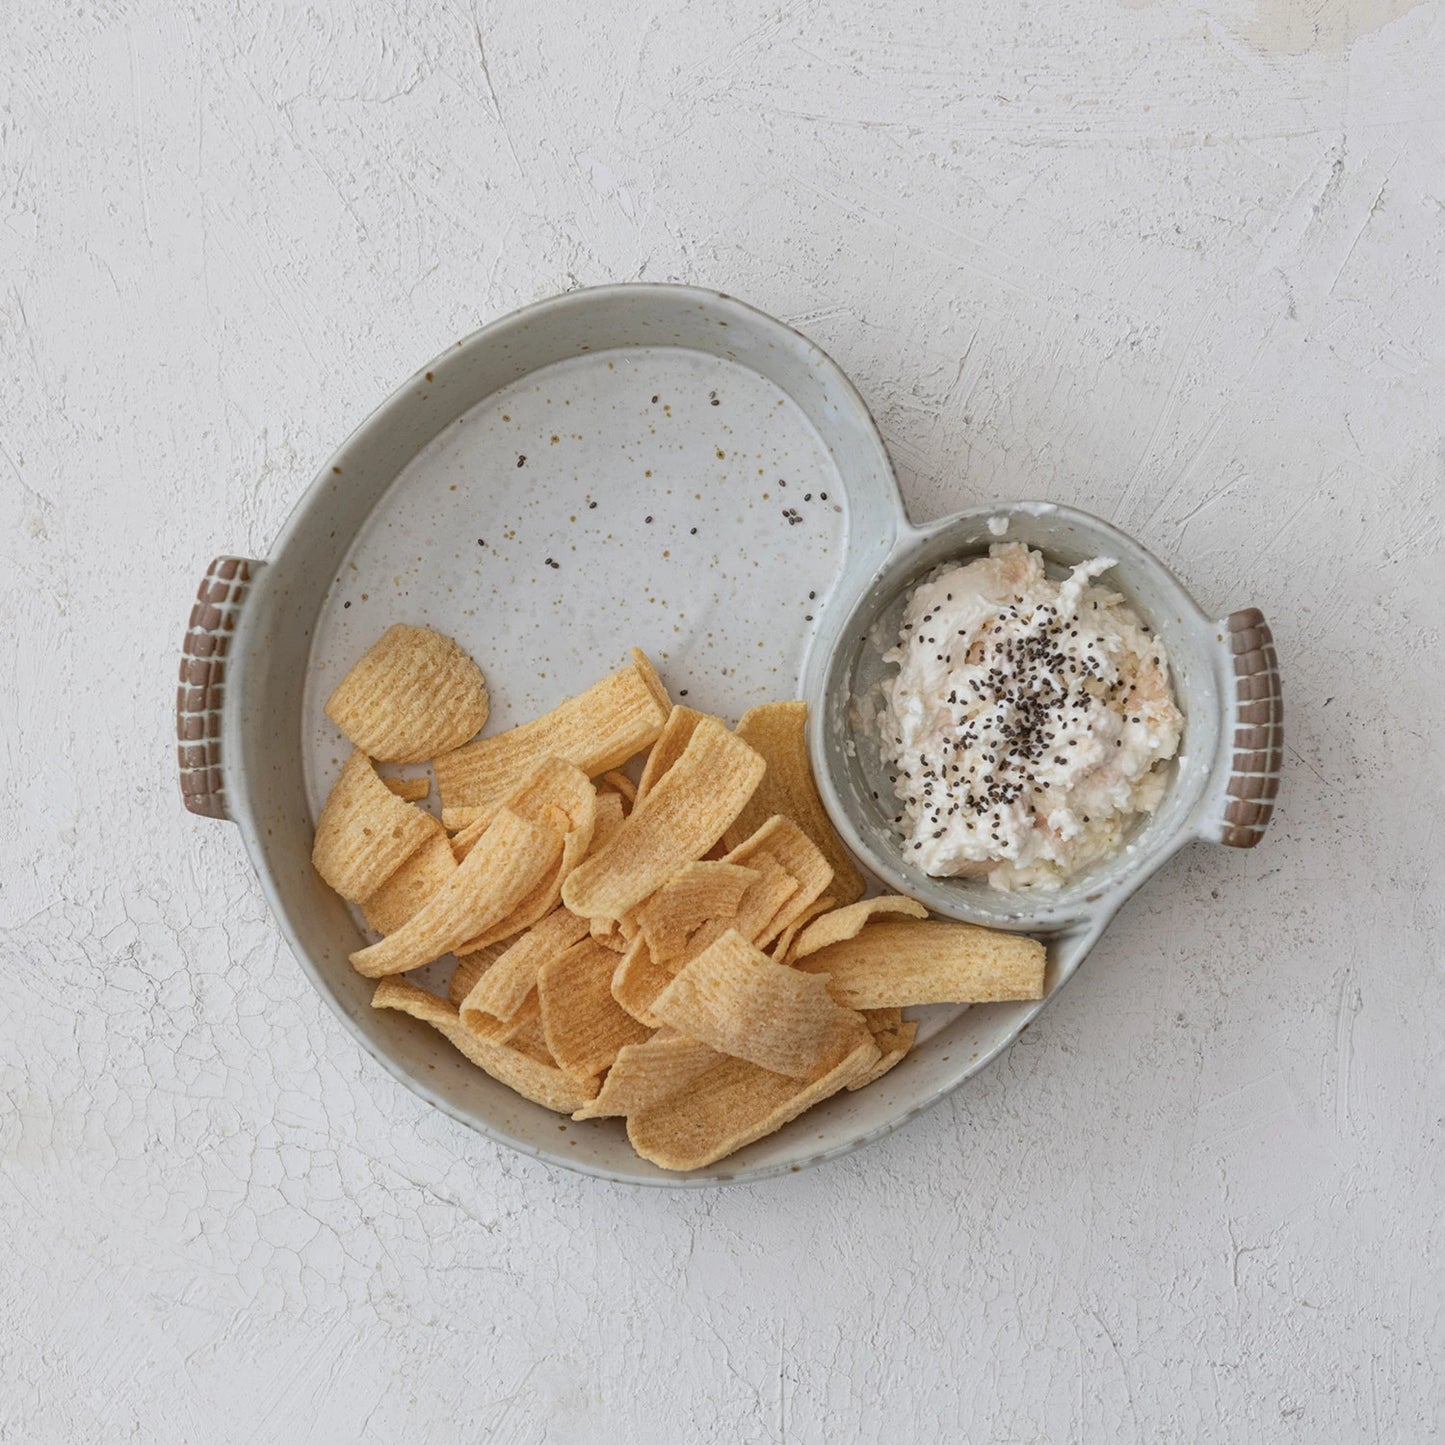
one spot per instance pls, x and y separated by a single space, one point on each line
1179 263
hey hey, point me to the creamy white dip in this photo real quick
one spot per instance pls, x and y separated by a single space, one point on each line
1029 722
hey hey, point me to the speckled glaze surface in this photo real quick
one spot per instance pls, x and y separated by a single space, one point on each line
640 465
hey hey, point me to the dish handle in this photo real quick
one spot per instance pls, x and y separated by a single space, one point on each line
219 600
1253 704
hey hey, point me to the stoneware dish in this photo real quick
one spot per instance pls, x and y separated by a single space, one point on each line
663 467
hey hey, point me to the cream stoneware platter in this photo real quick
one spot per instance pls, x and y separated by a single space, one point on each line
667 468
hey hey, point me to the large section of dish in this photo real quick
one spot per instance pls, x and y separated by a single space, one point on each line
690 951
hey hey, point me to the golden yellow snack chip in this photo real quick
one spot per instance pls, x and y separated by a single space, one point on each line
459 820
883 1020
683 816
518 1069
844 923
365 833
777 730
916 962
597 730
509 860
560 796
524 1033
410 790
760 904
610 813
582 1023
893 1044
790 847
672 742
404 893
638 980
468 971
620 784
782 948
608 932
694 894
735 999
413 694
503 989
731 1106
646 1073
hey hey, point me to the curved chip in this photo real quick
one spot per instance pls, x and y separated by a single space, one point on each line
683 816
783 841
732 1106
516 1067
412 694
778 731
896 964
509 860
610 813
410 790
783 946
645 1074
409 888
468 971
893 1044
735 999
845 923
503 989
597 730
365 832
693 895
621 784
559 795
637 981
672 742
582 1023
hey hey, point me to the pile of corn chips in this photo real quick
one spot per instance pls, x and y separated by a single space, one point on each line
691 952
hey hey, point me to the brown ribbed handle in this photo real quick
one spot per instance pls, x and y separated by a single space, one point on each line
203 683
1258 730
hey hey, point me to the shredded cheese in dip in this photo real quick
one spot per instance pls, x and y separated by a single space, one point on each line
1029 722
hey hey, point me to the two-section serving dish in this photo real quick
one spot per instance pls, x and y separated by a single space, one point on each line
663 467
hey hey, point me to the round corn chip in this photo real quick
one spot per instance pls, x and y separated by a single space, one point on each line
365 832
413 694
